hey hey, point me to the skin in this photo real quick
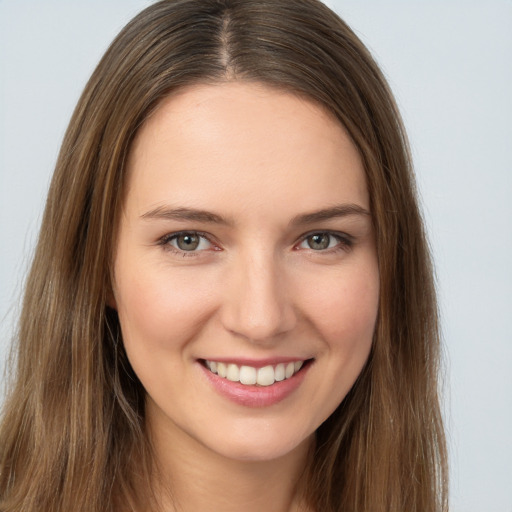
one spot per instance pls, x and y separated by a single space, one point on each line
261 159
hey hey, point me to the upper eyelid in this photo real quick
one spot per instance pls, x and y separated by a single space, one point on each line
337 234
166 239
175 234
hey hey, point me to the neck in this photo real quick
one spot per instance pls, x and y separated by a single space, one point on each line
193 477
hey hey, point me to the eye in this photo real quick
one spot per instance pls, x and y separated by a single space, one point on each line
323 240
187 242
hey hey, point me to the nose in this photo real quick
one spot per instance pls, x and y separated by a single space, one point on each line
257 305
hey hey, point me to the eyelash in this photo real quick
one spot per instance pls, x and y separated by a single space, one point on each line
344 242
166 240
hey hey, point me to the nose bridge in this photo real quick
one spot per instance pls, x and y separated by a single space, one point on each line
257 305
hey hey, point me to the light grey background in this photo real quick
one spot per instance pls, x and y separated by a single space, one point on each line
449 64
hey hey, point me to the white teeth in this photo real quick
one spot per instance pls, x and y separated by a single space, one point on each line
266 376
221 370
249 376
279 372
233 373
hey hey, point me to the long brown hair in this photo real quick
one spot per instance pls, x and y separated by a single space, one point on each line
72 436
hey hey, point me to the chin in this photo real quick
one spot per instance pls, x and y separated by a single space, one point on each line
263 450
261 442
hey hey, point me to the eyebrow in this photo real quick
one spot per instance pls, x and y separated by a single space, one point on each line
342 210
193 214
190 214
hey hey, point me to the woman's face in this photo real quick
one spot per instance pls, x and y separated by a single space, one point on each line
246 276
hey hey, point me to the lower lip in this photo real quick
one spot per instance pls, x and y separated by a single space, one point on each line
255 396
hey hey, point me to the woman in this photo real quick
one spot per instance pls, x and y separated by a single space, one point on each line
231 302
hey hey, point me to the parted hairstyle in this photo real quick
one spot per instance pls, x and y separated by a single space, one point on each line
72 435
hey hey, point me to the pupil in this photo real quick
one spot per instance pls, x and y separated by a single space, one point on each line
320 241
188 242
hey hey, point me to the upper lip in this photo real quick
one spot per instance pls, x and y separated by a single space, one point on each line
255 363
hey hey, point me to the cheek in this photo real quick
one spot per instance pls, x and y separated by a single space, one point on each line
346 311
160 308
160 312
343 312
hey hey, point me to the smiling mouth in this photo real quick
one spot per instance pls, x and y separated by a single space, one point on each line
251 376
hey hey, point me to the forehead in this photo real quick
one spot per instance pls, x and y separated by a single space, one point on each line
220 143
